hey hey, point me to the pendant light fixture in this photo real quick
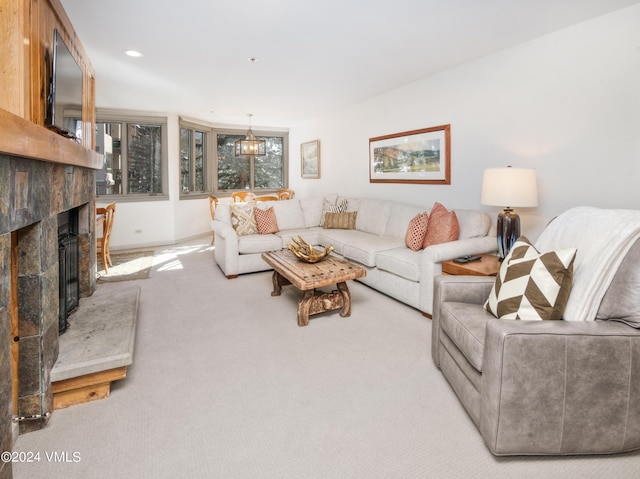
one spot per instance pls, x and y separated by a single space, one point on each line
250 146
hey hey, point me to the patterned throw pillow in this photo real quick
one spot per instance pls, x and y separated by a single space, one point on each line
414 238
266 221
340 206
532 285
342 221
243 219
443 226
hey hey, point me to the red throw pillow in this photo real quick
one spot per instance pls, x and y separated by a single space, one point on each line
443 226
266 221
416 230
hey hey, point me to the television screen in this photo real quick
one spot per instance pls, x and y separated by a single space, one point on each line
65 95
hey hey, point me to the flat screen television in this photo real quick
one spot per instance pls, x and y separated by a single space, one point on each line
64 101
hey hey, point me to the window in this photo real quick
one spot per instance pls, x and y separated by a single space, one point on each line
267 172
193 160
135 156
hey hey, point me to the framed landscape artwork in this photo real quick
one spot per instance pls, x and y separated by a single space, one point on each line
417 156
310 159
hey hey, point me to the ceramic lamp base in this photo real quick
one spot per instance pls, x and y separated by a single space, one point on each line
508 231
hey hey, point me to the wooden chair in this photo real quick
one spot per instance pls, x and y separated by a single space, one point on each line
242 196
285 194
213 203
102 243
266 198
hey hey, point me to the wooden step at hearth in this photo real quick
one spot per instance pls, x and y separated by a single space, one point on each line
97 346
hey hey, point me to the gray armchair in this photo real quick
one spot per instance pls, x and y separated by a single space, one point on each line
544 387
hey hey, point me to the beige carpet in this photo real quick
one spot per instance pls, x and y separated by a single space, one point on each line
224 384
127 266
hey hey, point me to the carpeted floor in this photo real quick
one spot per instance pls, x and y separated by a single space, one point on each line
224 384
127 266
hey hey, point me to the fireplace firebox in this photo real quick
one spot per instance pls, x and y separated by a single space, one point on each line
69 270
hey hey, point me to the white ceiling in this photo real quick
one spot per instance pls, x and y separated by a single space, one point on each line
313 56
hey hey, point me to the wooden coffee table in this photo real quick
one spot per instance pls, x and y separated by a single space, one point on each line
308 276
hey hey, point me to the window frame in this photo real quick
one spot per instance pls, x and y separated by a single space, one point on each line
208 163
125 118
284 134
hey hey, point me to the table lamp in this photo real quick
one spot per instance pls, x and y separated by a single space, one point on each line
509 187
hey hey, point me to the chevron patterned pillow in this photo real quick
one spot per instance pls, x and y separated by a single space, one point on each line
532 285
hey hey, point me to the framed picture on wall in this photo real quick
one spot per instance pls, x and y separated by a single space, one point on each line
310 159
417 156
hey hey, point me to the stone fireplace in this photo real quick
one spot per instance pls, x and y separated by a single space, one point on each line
32 195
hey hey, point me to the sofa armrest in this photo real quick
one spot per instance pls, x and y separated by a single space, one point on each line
431 259
459 289
226 252
560 387
438 253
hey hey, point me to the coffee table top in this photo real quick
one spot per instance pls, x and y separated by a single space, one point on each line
306 276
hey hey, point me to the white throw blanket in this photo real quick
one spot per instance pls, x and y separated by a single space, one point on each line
603 237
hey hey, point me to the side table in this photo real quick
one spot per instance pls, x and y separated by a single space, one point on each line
488 265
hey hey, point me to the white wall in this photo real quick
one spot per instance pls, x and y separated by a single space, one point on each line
567 104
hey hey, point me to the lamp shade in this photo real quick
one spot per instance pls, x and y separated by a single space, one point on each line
509 187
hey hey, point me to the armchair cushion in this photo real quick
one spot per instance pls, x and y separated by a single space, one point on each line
532 285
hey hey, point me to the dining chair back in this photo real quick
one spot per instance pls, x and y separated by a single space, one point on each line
102 242
213 203
286 194
242 196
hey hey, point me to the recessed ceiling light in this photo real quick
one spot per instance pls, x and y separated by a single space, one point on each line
253 59
133 53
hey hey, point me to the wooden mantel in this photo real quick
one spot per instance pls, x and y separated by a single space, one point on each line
23 138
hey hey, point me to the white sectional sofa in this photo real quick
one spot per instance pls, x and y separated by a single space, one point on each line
377 243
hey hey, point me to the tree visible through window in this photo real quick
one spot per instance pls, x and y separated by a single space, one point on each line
241 172
135 160
192 160
145 158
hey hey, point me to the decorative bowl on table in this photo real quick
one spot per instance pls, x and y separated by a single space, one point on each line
307 253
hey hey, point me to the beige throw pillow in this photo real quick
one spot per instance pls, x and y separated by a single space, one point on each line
243 219
343 221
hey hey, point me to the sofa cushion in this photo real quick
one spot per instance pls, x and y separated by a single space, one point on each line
243 219
532 285
365 249
311 210
373 216
399 217
259 243
339 238
289 214
473 223
417 228
310 235
266 221
443 226
343 221
402 262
